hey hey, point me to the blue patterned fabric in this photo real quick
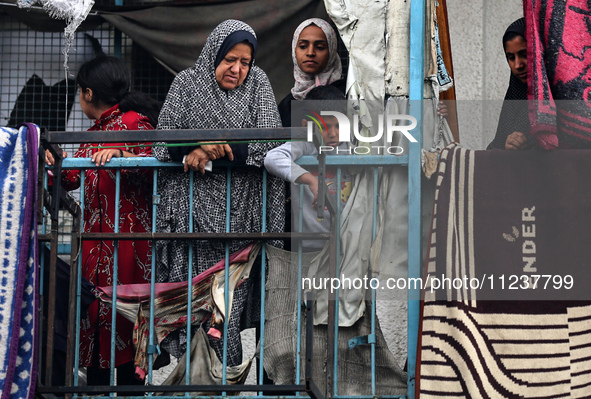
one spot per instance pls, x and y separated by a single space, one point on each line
18 261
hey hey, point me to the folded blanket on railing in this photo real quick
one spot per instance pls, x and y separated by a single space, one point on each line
18 261
559 54
170 302
509 244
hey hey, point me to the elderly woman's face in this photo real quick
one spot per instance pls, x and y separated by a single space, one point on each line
233 69
312 50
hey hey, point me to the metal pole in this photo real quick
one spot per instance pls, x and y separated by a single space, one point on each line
417 52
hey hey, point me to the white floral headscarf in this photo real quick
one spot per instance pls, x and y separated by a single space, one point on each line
304 82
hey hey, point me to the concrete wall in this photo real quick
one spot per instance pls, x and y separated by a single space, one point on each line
480 69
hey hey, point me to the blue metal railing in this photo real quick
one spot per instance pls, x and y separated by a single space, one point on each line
412 160
416 83
336 160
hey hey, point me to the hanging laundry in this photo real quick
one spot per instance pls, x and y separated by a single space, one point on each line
493 225
559 78
170 303
19 285
74 12
205 367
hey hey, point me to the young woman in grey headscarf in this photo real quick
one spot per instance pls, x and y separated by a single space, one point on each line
223 90
316 62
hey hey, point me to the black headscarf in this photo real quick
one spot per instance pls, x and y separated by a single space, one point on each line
233 39
514 114
517 27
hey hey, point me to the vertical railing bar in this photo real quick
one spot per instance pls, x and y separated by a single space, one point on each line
79 283
42 180
373 290
338 256
52 278
42 257
117 39
43 231
263 283
117 53
299 303
189 282
152 279
332 332
226 278
310 302
416 67
73 289
115 276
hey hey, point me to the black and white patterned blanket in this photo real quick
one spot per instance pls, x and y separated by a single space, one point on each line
509 232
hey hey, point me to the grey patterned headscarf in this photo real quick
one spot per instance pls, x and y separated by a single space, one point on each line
195 101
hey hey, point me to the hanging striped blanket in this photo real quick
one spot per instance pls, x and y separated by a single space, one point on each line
502 218
18 261
559 54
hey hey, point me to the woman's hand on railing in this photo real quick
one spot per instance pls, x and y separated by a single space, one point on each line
49 157
217 151
196 160
101 157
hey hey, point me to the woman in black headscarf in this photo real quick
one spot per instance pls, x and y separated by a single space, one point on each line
513 127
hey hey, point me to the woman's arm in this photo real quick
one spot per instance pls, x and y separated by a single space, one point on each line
266 115
71 177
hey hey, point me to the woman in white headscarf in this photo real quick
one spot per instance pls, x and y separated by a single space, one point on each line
223 90
316 62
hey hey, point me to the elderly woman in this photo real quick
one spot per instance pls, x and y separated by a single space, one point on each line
223 90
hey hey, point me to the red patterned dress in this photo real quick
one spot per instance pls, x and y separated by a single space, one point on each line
135 216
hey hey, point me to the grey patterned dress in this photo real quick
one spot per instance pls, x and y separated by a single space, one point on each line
195 101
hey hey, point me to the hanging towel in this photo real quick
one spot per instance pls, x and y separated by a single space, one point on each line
558 59
18 265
